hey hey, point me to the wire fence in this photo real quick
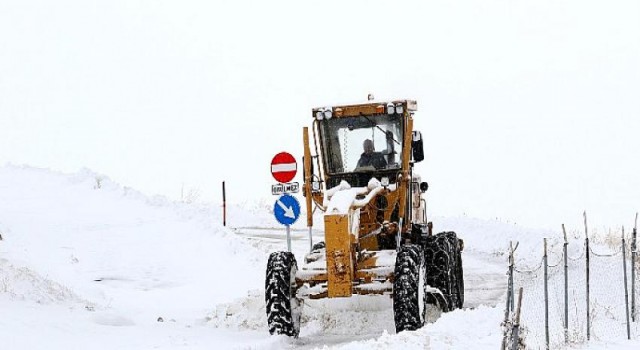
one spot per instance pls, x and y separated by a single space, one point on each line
574 293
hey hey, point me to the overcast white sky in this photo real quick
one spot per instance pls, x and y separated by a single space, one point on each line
530 109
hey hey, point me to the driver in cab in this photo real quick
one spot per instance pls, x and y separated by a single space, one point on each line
370 158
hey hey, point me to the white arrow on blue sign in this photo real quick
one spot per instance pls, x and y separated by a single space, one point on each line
286 209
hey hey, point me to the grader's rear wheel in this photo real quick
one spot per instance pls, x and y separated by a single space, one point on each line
283 308
444 269
459 271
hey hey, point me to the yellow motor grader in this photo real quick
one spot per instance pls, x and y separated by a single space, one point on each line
377 239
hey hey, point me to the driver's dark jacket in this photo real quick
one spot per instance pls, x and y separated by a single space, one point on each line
375 159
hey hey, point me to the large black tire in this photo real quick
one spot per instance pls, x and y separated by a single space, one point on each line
457 278
409 288
283 308
444 269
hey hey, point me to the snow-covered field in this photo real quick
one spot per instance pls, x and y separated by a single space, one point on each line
86 263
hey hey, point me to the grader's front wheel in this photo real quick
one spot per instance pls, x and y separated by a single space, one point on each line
283 308
409 288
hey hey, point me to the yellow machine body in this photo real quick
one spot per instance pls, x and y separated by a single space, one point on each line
340 265
360 240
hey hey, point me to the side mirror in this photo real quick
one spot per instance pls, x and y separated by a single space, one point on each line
416 146
424 187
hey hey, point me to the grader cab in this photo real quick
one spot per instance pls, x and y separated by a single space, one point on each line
377 239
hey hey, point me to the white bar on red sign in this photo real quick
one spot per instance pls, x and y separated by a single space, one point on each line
276 168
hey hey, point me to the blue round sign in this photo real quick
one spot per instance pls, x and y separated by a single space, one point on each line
286 209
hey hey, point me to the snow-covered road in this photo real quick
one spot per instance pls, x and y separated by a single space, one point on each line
352 321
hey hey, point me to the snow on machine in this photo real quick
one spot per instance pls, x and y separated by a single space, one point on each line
377 239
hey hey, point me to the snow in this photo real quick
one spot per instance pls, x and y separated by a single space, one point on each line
529 112
342 198
88 263
341 201
89 258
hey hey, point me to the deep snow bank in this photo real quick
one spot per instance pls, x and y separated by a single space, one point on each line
83 238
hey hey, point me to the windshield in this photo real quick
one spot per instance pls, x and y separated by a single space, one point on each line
362 143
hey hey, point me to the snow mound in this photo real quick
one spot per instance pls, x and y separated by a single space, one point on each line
24 284
459 329
248 313
96 240
358 315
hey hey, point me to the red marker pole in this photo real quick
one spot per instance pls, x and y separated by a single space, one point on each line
224 206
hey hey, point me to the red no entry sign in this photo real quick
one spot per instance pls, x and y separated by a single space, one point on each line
284 167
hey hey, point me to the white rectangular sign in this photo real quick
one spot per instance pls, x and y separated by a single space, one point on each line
291 187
